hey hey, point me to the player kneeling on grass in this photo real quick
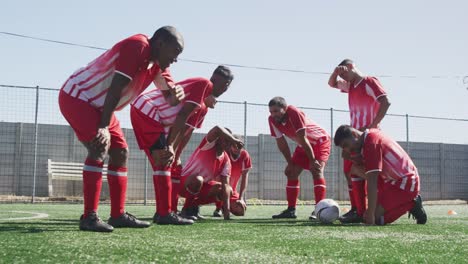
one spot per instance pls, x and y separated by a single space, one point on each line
240 166
205 176
312 151
160 128
392 178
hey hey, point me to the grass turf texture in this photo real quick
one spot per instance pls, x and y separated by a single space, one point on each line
255 238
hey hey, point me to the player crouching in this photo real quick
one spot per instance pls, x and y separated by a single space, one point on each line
205 176
392 178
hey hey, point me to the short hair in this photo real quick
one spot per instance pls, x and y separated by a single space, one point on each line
228 130
224 71
346 62
342 133
166 34
278 101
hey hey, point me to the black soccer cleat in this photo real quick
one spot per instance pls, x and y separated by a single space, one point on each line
93 223
351 217
288 213
217 213
418 211
173 219
127 220
188 213
350 212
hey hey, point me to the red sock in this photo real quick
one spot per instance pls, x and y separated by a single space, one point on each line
163 189
175 178
117 179
359 194
92 183
351 196
320 189
292 192
219 205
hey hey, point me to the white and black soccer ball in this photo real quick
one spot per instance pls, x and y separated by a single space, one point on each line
327 211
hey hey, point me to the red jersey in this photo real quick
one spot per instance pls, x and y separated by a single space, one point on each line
383 154
206 163
196 119
154 105
130 58
238 166
295 121
363 100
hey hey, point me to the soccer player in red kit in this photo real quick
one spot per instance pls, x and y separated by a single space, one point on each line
312 151
241 163
205 176
368 104
392 178
160 128
88 100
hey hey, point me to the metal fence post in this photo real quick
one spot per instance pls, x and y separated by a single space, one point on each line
35 146
407 134
145 199
245 124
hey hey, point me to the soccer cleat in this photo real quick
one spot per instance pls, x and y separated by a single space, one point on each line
188 213
197 213
217 213
127 220
351 217
418 211
173 219
313 216
93 223
350 212
288 213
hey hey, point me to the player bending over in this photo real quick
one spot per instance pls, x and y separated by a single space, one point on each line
392 178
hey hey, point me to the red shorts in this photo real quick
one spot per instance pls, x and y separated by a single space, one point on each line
84 120
147 130
395 201
201 197
321 152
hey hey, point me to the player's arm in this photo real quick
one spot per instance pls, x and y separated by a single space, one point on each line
372 178
220 132
226 195
284 148
333 80
244 183
172 93
182 142
305 144
178 128
119 82
383 108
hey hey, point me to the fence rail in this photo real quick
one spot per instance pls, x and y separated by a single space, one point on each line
32 131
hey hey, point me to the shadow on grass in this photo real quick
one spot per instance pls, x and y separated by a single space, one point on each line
52 225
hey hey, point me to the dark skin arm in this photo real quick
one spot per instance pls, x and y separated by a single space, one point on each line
371 197
119 82
305 144
384 105
220 132
284 148
226 194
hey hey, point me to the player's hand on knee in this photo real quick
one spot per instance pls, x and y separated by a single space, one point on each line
101 141
316 167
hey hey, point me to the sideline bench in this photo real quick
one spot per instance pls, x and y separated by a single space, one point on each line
68 171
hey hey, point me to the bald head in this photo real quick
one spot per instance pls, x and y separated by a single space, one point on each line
166 44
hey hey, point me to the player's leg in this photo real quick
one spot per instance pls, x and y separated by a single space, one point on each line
117 179
192 186
292 172
84 120
176 172
359 195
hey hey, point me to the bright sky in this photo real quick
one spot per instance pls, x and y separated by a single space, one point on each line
395 38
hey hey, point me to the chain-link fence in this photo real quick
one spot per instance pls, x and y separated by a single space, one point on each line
35 137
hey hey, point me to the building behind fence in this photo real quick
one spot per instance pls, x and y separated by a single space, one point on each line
34 133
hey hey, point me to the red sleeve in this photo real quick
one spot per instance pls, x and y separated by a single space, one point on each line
274 131
297 118
132 55
226 167
376 87
247 161
163 80
196 120
197 91
372 153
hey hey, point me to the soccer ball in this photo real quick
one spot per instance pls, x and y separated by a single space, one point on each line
327 211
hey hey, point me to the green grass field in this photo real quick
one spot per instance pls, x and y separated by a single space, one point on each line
255 238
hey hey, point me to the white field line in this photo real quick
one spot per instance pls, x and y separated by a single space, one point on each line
33 216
